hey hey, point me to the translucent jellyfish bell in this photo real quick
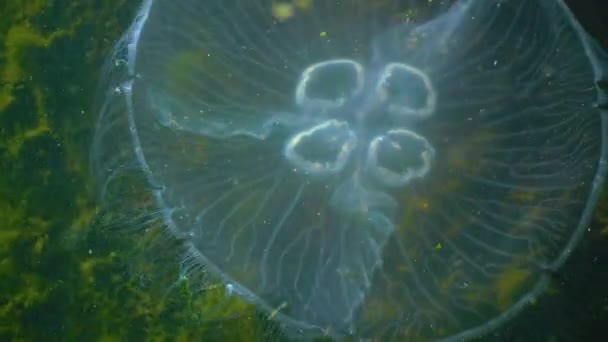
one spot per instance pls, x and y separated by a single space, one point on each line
391 170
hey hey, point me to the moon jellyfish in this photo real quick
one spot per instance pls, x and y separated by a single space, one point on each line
391 170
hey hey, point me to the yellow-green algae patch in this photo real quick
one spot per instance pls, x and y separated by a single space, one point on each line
601 214
509 286
19 38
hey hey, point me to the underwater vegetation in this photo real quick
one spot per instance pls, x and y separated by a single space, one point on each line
73 269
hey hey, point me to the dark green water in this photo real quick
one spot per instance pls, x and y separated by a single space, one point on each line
63 278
